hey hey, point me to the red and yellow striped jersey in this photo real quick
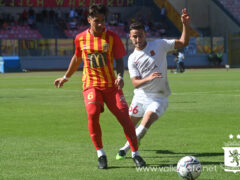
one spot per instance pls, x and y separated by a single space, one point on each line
97 54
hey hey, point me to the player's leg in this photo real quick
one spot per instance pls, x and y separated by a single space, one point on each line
181 67
135 120
148 119
118 106
123 150
153 112
178 67
94 106
136 112
116 103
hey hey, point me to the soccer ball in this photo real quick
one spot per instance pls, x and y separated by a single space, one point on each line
189 168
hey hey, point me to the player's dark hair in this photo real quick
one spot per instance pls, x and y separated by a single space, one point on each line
136 26
97 9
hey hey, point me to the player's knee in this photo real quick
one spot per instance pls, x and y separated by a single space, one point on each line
93 109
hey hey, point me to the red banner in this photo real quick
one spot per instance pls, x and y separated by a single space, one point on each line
64 3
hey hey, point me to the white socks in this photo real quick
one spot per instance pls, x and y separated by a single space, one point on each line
136 153
100 152
140 132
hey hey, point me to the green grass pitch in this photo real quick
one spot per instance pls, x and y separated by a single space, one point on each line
44 134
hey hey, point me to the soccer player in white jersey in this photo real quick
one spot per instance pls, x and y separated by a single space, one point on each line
148 71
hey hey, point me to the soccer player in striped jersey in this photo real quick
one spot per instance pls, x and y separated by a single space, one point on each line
97 47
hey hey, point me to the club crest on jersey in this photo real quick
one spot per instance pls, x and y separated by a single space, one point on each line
105 47
152 52
86 47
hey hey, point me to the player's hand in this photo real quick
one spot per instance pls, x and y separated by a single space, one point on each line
119 83
185 18
59 82
154 75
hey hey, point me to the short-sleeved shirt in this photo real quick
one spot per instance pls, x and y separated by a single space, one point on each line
180 57
98 53
151 59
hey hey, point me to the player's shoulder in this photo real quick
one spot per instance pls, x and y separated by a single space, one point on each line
162 42
132 57
159 41
111 33
81 34
133 54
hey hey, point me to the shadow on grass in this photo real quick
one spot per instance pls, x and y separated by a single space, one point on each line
121 167
181 154
175 164
186 154
127 159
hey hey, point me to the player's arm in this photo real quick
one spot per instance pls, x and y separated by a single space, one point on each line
137 81
183 41
73 66
120 71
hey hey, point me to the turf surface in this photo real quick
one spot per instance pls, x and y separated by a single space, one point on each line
44 135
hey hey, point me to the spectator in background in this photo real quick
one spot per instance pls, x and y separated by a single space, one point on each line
115 19
1 22
163 14
73 24
180 63
52 15
31 22
60 19
161 29
79 15
31 13
24 16
150 25
73 19
72 14
44 15
59 14
85 16
126 27
31 18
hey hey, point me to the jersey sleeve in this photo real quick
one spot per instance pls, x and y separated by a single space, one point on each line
78 52
133 71
118 48
167 45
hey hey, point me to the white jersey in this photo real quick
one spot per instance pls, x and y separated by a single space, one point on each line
151 59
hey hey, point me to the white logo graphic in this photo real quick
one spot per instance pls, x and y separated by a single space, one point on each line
232 155
122 99
86 47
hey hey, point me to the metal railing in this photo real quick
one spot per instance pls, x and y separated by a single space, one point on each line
65 47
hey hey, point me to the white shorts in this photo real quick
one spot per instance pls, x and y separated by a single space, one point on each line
156 105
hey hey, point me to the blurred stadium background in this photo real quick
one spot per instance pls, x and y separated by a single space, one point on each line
39 34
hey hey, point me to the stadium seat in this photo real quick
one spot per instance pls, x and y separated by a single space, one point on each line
19 32
232 6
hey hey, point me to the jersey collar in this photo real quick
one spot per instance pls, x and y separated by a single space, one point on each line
88 30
